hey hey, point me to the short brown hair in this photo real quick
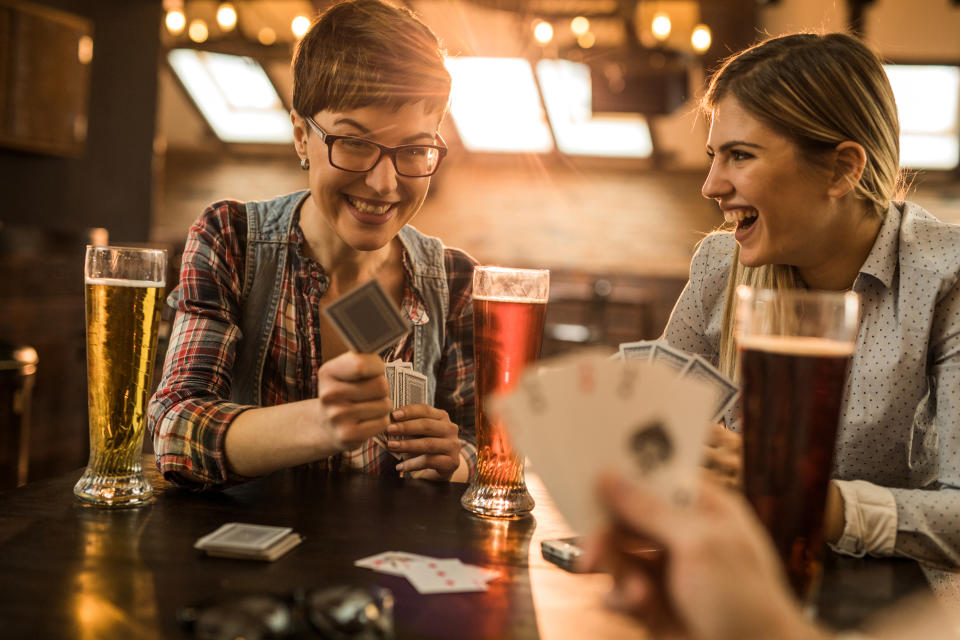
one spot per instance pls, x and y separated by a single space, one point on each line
367 52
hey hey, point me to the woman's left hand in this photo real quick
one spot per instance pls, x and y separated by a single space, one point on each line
430 441
723 458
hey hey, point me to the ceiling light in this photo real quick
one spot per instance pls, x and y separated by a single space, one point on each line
266 36
85 49
300 25
586 40
198 31
543 31
579 25
175 21
227 16
661 26
701 38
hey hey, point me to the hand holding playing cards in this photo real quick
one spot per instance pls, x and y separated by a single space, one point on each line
723 456
722 579
429 441
353 398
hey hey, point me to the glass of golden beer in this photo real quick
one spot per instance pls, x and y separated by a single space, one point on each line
795 349
123 298
509 306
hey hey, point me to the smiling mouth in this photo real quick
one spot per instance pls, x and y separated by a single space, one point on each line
365 206
743 218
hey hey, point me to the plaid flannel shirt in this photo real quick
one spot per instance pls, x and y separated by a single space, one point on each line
191 410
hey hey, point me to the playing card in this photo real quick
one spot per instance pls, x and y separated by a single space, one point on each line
636 350
674 358
239 536
414 387
367 319
598 414
443 576
724 392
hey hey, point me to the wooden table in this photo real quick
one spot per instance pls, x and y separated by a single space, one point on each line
69 571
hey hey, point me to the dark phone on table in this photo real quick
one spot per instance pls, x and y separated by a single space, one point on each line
563 552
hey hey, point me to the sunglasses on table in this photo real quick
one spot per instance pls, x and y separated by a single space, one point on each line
337 612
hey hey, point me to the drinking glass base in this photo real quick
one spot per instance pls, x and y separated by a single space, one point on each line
497 503
113 491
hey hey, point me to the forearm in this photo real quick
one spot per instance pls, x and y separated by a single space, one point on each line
266 439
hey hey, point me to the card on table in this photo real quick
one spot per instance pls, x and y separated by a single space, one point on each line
430 575
248 541
367 319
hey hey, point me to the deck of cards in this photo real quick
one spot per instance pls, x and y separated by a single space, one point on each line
578 416
725 392
430 575
406 387
249 541
367 319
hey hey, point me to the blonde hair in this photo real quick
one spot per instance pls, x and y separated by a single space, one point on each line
818 91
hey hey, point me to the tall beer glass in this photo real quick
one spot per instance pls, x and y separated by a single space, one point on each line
509 306
123 298
795 349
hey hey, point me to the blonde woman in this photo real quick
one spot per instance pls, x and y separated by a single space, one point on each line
805 166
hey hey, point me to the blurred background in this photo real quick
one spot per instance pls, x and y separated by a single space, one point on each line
575 144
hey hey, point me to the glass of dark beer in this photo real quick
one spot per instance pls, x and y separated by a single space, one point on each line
795 349
124 288
509 306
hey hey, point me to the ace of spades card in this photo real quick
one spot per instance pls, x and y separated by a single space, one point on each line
587 415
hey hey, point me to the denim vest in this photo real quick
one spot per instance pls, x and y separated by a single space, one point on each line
269 224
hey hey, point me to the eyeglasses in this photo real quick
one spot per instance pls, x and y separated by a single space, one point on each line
338 613
360 155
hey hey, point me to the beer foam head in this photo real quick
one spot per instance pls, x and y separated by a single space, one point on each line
798 345
119 282
511 299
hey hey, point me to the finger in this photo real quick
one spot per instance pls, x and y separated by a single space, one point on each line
351 366
338 391
424 427
639 510
355 434
417 446
414 411
443 464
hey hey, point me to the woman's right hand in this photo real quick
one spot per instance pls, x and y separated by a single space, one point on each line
723 456
353 399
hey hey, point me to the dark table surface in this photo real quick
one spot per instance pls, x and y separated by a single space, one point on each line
69 571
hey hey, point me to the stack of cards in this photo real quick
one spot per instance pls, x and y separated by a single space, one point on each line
430 575
406 387
725 392
578 416
367 319
249 541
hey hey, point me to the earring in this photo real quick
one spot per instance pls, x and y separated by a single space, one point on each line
305 163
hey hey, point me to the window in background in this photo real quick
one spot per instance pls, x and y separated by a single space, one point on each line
496 107
928 101
235 96
567 95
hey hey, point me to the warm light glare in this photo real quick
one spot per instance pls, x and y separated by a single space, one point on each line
701 38
928 103
543 32
227 16
176 21
496 107
266 36
579 25
586 40
300 26
661 26
198 31
85 49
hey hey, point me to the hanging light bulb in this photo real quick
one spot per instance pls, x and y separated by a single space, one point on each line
197 31
661 26
227 16
266 36
300 25
579 26
701 38
175 21
543 32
